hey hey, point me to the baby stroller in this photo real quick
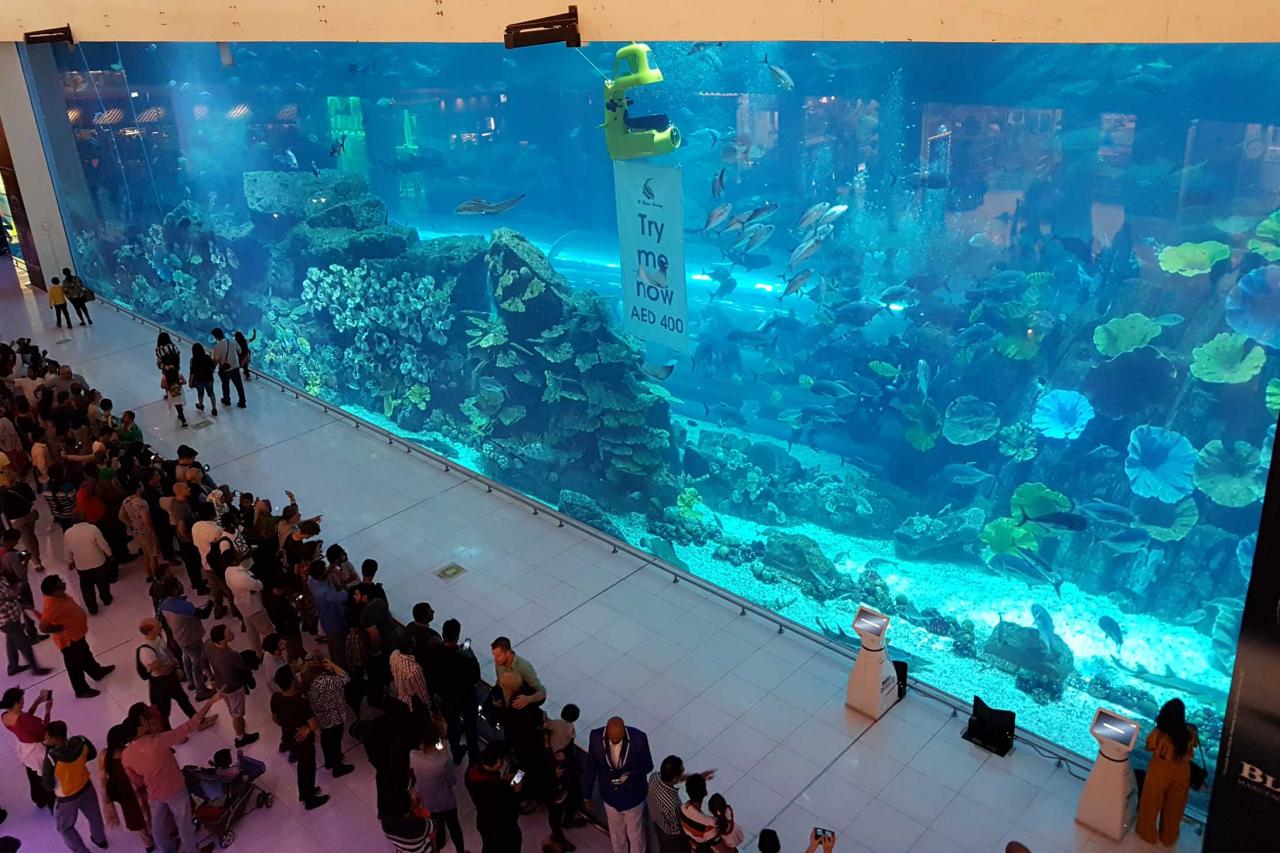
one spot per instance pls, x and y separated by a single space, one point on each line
224 793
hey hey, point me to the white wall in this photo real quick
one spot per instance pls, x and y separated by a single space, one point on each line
731 20
30 165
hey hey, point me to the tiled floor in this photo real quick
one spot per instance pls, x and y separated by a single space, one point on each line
606 631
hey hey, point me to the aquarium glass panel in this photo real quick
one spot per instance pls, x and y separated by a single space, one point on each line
983 337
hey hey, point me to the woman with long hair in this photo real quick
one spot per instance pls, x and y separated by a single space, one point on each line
117 789
201 378
731 836
1168 780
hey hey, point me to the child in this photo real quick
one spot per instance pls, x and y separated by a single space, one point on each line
561 742
174 392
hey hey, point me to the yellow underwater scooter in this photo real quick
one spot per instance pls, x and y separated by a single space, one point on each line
628 137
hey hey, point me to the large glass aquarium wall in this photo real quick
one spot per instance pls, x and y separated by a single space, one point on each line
982 336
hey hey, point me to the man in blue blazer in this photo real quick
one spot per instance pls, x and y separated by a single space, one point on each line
618 757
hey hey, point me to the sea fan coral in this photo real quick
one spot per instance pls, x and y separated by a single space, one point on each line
1062 414
1191 259
1253 305
1230 476
1160 464
1124 334
970 421
1223 360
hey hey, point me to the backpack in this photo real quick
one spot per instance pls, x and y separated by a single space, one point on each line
143 672
219 557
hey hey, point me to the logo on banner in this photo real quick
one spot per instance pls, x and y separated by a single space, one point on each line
647 190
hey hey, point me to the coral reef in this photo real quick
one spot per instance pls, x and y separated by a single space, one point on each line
948 534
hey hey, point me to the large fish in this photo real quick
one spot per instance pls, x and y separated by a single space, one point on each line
479 207
717 215
1106 512
726 283
780 75
763 212
758 237
803 252
1175 683
1044 627
717 185
832 214
1128 540
1027 567
812 215
1111 628
966 474
794 284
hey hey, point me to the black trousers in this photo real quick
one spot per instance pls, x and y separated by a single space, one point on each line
462 718
195 572
305 753
499 836
229 378
448 820
164 691
331 747
59 312
94 583
79 660
82 311
40 795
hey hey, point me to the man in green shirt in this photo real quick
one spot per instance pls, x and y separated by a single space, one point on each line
505 660
129 432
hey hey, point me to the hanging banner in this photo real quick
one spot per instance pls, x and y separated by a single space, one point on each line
650 203
1244 809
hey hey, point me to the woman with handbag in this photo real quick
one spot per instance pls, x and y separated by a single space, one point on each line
1168 779
78 295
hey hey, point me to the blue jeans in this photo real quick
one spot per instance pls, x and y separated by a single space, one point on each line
178 809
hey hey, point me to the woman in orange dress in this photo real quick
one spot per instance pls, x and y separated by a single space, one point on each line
1164 792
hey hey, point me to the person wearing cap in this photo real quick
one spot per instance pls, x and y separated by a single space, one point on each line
67 622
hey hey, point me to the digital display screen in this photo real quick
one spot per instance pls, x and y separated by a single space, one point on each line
1114 728
870 622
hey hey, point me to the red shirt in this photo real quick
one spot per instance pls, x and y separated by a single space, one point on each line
88 504
62 610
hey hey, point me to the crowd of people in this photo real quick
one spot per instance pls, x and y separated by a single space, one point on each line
247 597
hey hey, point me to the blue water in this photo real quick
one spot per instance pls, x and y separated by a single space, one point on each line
1029 368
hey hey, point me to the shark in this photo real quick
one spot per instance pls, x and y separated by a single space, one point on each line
1173 682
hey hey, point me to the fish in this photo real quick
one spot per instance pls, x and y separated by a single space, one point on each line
1195 617
726 284
1103 451
812 215
832 213
1127 540
151 48
717 184
723 413
339 146
480 207
716 216
794 284
558 246
1111 628
1064 521
700 46
922 378
803 252
832 388
1027 567
856 313
1168 320
116 66
1174 682
1044 626
884 368
906 297
978 333
288 158
824 59
1107 512
424 69
758 237
659 371
385 102
763 212
656 278
966 474
315 170
492 386
780 75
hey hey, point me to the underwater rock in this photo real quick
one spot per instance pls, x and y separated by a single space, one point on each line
664 550
737 552
695 464
322 247
360 214
844 505
586 510
1104 686
1023 647
802 559
945 535
291 197
774 461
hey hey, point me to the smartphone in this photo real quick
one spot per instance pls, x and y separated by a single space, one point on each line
518 778
819 832
466 644
46 695
439 744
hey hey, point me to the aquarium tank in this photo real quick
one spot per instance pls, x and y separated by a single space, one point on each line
981 336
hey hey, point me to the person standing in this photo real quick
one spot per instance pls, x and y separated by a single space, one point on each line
182 518
458 674
205 534
618 756
66 773
1168 782
530 690
331 610
117 789
77 294
135 515
90 556
200 377
699 827
244 356
435 778
327 695
68 624
19 505
228 364
298 726
665 806
232 677
14 624
185 622
158 667
58 302
246 595
29 730
167 354
175 395
496 797
150 763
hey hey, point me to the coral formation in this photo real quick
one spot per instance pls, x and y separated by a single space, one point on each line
1125 334
1191 259
1224 360
1160 464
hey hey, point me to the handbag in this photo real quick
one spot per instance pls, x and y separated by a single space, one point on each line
89 295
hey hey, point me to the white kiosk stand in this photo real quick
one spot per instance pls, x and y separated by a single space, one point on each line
1109 801
873 684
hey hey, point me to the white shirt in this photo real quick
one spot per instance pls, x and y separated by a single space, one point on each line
154 651
204 534
87 546
242 586
221 354
29 388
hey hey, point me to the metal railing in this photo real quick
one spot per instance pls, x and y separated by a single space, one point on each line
1041 745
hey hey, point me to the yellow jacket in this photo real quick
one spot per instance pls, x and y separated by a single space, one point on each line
56 295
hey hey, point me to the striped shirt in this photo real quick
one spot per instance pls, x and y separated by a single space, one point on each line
408 678
410 834
664 805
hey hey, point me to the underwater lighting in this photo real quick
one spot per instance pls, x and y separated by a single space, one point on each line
73 115
896 306
111 116
133 95
698 276
502 98
289 112
238 111
459 105
200 111
763 285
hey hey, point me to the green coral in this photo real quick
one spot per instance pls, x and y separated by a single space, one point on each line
418 396
1267 238
1125 334
1224 360
1192 259
1177 521
921 425
970 421
1230 476
689 504
1018 441
1273 396
1034 500
1004 536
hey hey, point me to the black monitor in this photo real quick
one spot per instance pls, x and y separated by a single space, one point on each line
990 728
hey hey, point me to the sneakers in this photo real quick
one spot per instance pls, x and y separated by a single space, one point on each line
241 405
106 670
342 770
14 670
249 737
316 801
199 407
88 694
